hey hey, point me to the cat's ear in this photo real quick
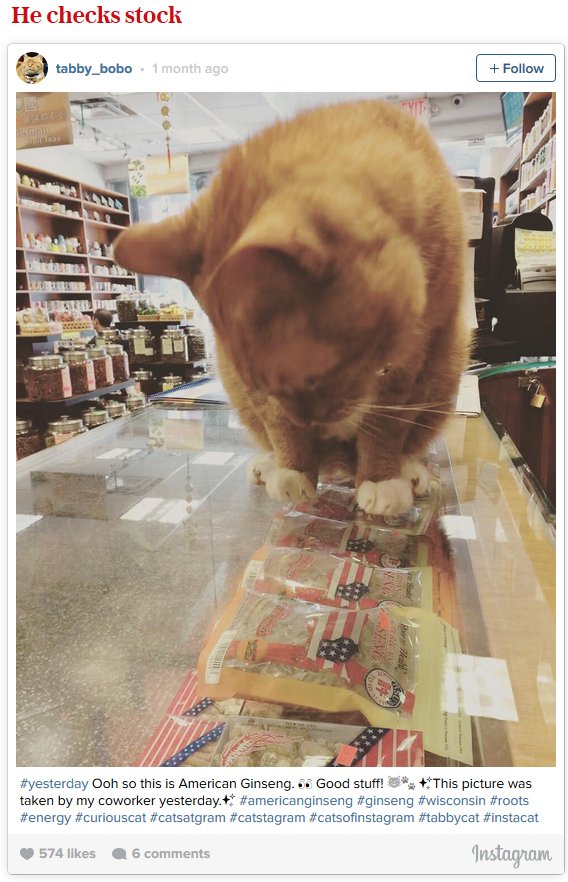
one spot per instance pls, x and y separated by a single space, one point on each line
169 248
274 263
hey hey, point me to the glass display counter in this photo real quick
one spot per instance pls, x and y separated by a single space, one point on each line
132 537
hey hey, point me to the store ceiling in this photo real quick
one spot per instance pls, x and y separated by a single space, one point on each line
111 127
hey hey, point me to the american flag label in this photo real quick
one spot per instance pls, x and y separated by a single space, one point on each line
331 629
349 573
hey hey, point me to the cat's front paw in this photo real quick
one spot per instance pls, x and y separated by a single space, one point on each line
259 467
418 475
288 485
385 497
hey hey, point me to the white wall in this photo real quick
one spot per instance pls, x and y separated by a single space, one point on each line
61 162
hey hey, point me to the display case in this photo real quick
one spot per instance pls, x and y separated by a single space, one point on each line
132 538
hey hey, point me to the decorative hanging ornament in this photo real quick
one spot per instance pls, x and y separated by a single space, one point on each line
164 97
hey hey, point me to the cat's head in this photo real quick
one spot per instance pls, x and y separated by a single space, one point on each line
307 311
32 67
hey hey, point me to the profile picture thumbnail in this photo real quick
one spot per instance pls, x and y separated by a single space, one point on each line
31 67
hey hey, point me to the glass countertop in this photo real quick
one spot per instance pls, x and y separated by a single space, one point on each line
132 537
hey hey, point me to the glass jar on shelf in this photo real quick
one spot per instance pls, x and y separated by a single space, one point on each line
127 307
143 347
145 381
27 438
63 429
81 370
102 362
47 378
174 345
120 366
195 343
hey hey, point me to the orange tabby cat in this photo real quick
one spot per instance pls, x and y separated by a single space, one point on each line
328 253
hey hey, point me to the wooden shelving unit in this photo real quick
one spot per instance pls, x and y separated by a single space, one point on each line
77 266
71 271
529 184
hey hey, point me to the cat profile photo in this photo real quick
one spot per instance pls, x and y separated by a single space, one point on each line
337 309
31 67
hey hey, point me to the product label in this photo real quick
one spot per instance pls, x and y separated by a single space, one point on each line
253 572
217 657
66 380
166 346
383 689
139 346
91 381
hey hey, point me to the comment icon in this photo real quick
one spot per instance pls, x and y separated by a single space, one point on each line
119 854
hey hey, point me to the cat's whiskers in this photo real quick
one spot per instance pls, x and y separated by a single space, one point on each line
390 416
432 407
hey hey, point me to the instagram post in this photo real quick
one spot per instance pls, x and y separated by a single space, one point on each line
285 481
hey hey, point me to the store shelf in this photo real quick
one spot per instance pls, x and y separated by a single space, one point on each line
170 362
536 181
46 194
97 207
152 323
55 214
53 273
27 403
34 221
55 253
96 223
39 338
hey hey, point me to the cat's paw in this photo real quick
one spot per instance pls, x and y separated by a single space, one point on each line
259 467
385 497
418 475
288 485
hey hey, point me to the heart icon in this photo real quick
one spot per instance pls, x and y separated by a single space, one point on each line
27 853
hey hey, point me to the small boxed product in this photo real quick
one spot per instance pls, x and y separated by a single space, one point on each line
260 742
371 545
339 504
321 577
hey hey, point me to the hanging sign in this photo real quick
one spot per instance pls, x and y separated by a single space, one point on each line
159 175
43 119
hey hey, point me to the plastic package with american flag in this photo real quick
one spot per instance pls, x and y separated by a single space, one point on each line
372 545
322 577
257 742
306 654
338 503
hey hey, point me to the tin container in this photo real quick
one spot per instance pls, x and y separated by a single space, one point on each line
63 429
